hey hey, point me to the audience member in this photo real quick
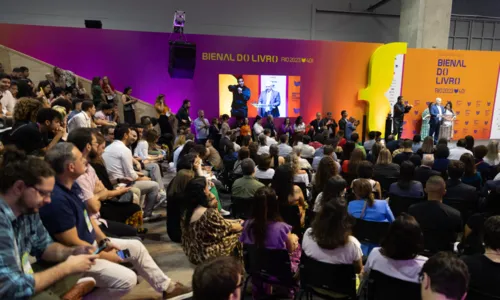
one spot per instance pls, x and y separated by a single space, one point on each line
270 125
350 167
406 186
365 171
334 190
104 116
202 127
440 223
299 174
327 168
385 168
417 143
307 150
441 160
366 207
26 185
457 190
257 126
492 157
405 154
128 106
6 99
276 159
427 146
269 140
264 170
181 142
391 143
220 278
266 230
287 127
484 269
246 186
299 126
372 156
327 151
483 167
98 95
14 89
456 153
213 156
283 147
469 139
370 142
244 153
176 193
330 240
424 172
263 147
471 176
398 255
66 219
205 233
254 148
444 276
84 118
289 195
76 107
119 163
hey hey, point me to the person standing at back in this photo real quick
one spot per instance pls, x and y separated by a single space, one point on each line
183 115
201 126
436 111
440 223
400 109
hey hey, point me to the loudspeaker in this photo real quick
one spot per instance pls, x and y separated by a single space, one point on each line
182 60
93 24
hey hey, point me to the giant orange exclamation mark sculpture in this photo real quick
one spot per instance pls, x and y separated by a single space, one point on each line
380 76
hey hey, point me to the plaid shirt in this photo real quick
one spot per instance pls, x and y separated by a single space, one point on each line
31 238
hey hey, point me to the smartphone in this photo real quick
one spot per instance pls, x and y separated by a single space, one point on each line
100 249
130 184
123 254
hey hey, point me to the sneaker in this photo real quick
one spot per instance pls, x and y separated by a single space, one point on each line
81 288
162 199
153 217
179 292
224 212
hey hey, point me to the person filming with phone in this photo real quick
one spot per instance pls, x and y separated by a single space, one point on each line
67 220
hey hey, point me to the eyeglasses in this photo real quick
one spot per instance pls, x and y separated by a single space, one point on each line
42 193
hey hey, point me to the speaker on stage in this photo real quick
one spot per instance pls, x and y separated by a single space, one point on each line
182 60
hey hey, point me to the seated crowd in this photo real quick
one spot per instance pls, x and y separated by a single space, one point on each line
76 185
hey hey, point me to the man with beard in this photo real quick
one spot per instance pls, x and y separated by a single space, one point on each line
26 185
241 95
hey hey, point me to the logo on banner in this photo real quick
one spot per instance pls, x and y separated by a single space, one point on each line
296 83
487 112
469 103
415 112
457 112
485 122
476 122
466 122
416 103
459 102
477 112
478 103
464 131
488 103
467 112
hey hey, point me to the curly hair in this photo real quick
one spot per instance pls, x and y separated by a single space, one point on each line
26 109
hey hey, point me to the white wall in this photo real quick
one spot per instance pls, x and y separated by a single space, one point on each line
256 18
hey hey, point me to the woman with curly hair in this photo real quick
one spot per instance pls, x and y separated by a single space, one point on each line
334 190
327 168
299 175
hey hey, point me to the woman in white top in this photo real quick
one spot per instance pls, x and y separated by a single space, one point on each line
329 239
299 126
492 157
299 175
257 126
398 257
263 170
148 140
446 128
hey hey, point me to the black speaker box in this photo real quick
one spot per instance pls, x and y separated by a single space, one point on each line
182 60
93 24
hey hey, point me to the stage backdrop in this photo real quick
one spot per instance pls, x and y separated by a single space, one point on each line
326 76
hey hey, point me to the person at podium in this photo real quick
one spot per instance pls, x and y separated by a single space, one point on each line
269 101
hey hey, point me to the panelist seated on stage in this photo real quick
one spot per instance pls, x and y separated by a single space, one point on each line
269 100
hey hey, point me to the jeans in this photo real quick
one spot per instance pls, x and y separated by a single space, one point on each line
114 280
150 189
155 174
434 129
397 127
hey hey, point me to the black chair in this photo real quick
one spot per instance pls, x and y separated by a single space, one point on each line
310 160
473 294
241 208
400 204
291 216
385 183
268 266
303 187
341 279
383 287
370 232
266 182
466 208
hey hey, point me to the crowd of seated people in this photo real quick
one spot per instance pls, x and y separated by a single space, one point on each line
104 179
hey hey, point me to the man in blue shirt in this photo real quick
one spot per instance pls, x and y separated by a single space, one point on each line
26 186
68 221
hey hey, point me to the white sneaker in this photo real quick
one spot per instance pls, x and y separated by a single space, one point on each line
152 218
224 212
162 199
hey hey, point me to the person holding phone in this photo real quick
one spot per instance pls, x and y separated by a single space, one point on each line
67 220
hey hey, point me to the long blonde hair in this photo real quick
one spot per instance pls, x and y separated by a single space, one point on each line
492 150
180 181
181 140
384 157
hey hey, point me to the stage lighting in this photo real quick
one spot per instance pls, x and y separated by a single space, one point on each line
179 21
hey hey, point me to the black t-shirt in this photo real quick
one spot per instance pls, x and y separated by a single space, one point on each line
440 224
401 157
484 274
27 137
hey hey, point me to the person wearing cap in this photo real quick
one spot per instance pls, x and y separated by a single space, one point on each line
270 100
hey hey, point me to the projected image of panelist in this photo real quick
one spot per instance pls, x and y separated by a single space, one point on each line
269 101
241 95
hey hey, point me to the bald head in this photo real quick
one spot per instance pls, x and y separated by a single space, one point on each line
428 160
435 188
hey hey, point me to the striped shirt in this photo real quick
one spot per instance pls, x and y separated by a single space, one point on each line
28 236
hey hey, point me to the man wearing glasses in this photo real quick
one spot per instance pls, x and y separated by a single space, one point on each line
26 185
218 279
